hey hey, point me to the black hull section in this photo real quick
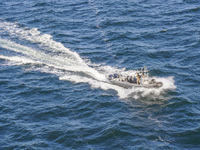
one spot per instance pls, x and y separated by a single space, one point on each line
130 85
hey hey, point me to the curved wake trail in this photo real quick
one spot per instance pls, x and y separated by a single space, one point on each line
58 62
54 57
66 60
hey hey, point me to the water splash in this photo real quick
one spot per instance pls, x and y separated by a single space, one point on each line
54 57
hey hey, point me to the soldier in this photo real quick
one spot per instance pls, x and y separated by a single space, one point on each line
138 78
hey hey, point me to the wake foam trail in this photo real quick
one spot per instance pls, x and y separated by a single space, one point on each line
66 58
53 57
18 60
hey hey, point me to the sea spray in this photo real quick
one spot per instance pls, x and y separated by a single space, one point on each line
68 65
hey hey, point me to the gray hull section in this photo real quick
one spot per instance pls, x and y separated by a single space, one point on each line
130 85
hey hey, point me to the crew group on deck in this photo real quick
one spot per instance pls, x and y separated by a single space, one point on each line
131 79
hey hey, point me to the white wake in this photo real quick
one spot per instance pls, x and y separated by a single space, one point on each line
54 57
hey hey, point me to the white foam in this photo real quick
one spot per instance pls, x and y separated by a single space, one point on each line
168 82
35 36
66 61
122 93
18 60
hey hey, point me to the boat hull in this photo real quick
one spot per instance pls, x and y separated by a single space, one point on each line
131 85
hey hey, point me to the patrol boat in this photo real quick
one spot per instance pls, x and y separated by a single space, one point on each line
140 79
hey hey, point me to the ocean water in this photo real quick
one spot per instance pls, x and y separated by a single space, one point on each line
54 59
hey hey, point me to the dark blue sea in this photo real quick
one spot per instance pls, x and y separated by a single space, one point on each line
55 56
